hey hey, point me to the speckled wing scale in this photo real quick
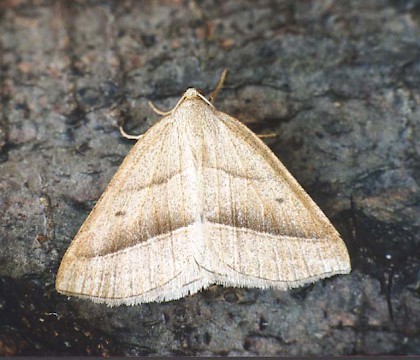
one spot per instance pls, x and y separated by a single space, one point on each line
199 200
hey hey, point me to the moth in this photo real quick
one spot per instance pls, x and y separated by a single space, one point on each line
199 200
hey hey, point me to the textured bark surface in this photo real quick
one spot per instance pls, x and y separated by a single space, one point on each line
338 81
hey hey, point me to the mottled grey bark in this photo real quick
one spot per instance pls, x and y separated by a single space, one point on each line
337 80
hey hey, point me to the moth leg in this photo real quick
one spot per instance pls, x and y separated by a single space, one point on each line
158 111
219 85
216 90
269 135
128 136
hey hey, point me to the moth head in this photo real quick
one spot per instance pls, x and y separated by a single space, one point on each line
192 93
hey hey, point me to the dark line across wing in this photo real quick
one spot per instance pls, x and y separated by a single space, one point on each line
153 238
164 180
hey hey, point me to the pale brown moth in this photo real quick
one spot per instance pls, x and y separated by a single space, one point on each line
199 200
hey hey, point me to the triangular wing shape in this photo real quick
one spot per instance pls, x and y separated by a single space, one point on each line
261 227
199 199
134 246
